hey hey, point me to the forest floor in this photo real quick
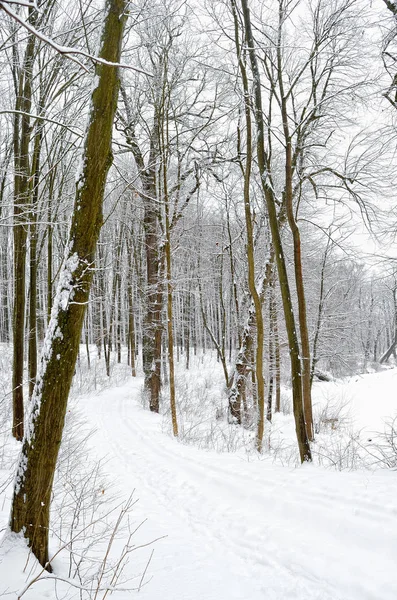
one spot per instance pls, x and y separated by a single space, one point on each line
235 526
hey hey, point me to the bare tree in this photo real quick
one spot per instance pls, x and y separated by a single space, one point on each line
33 487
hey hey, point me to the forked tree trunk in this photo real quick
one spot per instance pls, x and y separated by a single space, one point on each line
33 487
298 267
302 438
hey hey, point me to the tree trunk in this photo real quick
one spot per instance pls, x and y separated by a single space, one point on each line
152 322
131 317
302 438
170 328
22 136
32 348
187 323
320 310
298 269
32 493
242 369
260 383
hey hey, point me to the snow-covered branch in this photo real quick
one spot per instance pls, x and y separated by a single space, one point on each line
67 51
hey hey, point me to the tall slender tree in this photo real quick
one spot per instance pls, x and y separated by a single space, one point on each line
33 488
262 157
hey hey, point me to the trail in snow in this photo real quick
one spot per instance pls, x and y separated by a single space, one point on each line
239 530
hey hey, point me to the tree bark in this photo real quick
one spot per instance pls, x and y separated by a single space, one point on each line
302 438
298 269
32 347
152 326
33 487
22 137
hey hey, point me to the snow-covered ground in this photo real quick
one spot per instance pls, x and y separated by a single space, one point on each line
234 526
369 400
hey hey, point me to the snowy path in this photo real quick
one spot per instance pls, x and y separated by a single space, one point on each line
239 530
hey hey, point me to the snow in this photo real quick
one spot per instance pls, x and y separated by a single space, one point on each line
368 398
235 526
64 295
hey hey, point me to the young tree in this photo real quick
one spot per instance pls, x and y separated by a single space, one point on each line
246 172
22 76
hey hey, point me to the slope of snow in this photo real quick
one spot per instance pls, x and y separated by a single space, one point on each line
239 529
369 399
235 527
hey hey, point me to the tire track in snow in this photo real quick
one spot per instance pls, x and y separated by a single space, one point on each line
179 484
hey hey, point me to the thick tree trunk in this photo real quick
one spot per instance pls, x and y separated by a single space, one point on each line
32 494
152 322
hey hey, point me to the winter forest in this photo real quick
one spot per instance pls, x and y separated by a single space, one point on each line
198 299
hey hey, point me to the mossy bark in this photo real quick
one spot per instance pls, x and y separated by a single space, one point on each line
32 494
263 164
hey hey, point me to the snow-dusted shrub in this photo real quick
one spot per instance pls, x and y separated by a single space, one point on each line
283 450
331 415
93 575
337 444
382 447
92 377
285 402
91 530
340 450
202 409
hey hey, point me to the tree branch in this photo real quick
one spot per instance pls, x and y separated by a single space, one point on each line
67 51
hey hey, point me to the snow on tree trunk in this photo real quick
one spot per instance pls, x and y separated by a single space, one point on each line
32 493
